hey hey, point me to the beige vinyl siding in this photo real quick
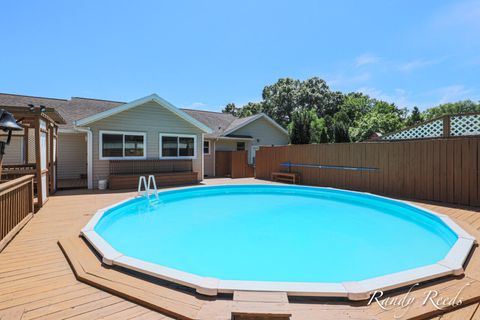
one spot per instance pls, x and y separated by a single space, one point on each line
72 155
209 160
226 145
264 134
149 118
13 151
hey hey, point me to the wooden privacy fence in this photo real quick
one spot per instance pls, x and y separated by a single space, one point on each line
440 170
16 207
232 164
240 167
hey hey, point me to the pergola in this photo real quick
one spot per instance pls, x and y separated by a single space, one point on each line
39 156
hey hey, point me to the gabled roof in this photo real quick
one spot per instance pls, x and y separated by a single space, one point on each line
242 122
78 109
154 98
217 121
14 103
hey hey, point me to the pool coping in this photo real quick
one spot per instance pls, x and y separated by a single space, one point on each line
452 264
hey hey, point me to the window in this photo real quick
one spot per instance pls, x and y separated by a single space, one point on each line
240 146
122 145
174 146
206 147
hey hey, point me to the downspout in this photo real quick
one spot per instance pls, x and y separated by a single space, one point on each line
89 133
215 156
203 158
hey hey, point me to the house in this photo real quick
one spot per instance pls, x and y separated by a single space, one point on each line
100 133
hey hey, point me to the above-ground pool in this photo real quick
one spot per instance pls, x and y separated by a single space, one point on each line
302 240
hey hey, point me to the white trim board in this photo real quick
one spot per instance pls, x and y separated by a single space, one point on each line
209 147
153 97
254 118
123 133
178 135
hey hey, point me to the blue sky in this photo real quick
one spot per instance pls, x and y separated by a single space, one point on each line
204 54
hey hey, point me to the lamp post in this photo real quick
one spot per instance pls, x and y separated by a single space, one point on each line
7 124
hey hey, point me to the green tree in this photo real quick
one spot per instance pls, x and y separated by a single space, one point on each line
452 108
314 94
230 108
306 127
318 133
250 109
384 118
281 99
329 128
300 127
355 105
340 127
414 118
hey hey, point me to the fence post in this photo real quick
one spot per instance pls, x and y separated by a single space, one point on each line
446 126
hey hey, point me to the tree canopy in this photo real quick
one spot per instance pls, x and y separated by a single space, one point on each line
315 114
465 106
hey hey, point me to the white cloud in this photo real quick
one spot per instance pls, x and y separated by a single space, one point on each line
451 93
399 97
460 14
341 80
197 105
417 64
366 59
424 100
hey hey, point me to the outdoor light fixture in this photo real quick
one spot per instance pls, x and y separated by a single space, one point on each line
7 124
42 108
31 107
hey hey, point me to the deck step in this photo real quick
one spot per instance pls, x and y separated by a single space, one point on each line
254 305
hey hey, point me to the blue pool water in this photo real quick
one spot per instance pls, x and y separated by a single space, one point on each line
277 233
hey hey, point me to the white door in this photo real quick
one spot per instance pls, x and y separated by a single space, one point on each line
43 160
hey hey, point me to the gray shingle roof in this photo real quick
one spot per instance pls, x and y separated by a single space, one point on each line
78 108
217 121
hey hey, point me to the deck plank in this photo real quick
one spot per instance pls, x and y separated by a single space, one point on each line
36 281
465 313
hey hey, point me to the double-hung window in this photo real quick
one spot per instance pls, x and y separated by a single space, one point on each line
178 146
206 147
116 145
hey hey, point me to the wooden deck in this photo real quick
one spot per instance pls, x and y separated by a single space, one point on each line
36 281
65 184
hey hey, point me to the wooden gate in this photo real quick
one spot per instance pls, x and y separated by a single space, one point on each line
223 163
240 167
232 164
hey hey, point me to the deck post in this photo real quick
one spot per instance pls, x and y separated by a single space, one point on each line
25 145
446 126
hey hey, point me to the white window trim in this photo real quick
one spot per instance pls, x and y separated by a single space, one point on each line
179 135
203 148
100 144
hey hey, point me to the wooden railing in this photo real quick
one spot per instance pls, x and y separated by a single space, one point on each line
14 171
16 207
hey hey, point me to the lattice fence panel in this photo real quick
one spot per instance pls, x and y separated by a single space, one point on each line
465 125
432 129
31 146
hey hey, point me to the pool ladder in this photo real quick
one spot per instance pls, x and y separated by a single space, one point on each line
142 182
